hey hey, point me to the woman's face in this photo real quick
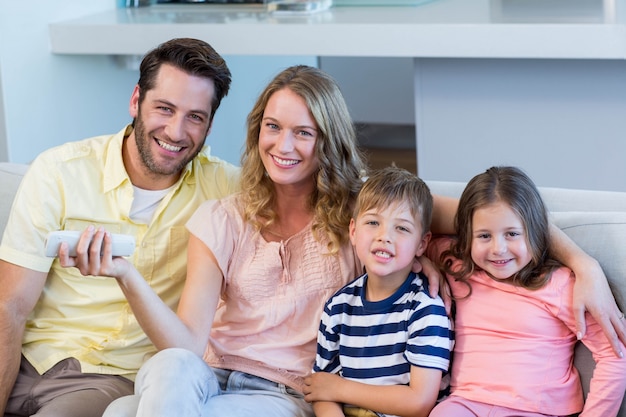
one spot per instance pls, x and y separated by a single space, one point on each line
287 140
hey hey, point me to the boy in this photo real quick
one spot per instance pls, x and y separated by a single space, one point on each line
383 343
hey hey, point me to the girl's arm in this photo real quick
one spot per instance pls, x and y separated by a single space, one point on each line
415 399
608 383
191 327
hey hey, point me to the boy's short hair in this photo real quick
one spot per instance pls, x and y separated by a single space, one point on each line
396 185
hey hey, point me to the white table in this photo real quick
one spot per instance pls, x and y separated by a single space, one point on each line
578 29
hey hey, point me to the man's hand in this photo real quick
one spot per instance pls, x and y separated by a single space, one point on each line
94 255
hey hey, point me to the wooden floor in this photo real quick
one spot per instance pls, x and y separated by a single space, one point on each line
388 144
403 158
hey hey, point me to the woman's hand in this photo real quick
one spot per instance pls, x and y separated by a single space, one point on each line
94 255
593 294
437 285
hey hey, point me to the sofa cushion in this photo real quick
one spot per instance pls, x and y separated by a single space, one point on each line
601 235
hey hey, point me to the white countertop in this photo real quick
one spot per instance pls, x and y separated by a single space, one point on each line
576 29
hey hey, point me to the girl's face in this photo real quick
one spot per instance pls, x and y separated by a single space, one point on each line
387 241
499 243
287 140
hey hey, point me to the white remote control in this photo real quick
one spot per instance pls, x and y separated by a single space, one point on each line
123 245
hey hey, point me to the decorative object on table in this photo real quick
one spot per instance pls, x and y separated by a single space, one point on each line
297 6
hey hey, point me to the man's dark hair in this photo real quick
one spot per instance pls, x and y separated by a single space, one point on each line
193 56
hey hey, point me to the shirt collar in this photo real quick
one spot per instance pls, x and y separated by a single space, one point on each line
115 172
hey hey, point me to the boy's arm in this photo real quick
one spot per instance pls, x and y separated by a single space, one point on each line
415 399
327 409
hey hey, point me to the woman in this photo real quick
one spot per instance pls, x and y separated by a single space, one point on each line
261 264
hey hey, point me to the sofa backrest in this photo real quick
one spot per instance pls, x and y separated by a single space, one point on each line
556 199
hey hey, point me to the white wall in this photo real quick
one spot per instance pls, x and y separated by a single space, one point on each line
4 153
379 90
563 121
51 99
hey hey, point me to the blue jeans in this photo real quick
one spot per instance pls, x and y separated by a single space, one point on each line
176 382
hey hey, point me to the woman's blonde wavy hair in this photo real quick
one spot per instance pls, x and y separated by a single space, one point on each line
340 161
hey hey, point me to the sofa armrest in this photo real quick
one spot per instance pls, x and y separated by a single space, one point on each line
10 177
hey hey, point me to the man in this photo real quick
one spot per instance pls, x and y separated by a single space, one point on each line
69 344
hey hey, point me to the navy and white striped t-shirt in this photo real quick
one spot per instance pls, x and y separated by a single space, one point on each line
377 342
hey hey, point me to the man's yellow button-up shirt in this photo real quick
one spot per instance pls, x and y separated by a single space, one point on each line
85 183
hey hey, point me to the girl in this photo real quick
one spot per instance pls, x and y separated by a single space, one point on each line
515 330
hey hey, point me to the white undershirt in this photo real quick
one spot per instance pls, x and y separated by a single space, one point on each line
145 203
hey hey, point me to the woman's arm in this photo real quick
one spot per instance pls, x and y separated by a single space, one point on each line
591 291
444 210
191 327
201 292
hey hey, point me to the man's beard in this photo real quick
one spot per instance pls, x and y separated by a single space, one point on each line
143 140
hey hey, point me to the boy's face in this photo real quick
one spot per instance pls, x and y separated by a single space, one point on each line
388 240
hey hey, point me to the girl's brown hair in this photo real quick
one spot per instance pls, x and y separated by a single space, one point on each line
514 188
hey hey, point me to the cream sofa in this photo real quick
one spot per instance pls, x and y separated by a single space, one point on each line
596 220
